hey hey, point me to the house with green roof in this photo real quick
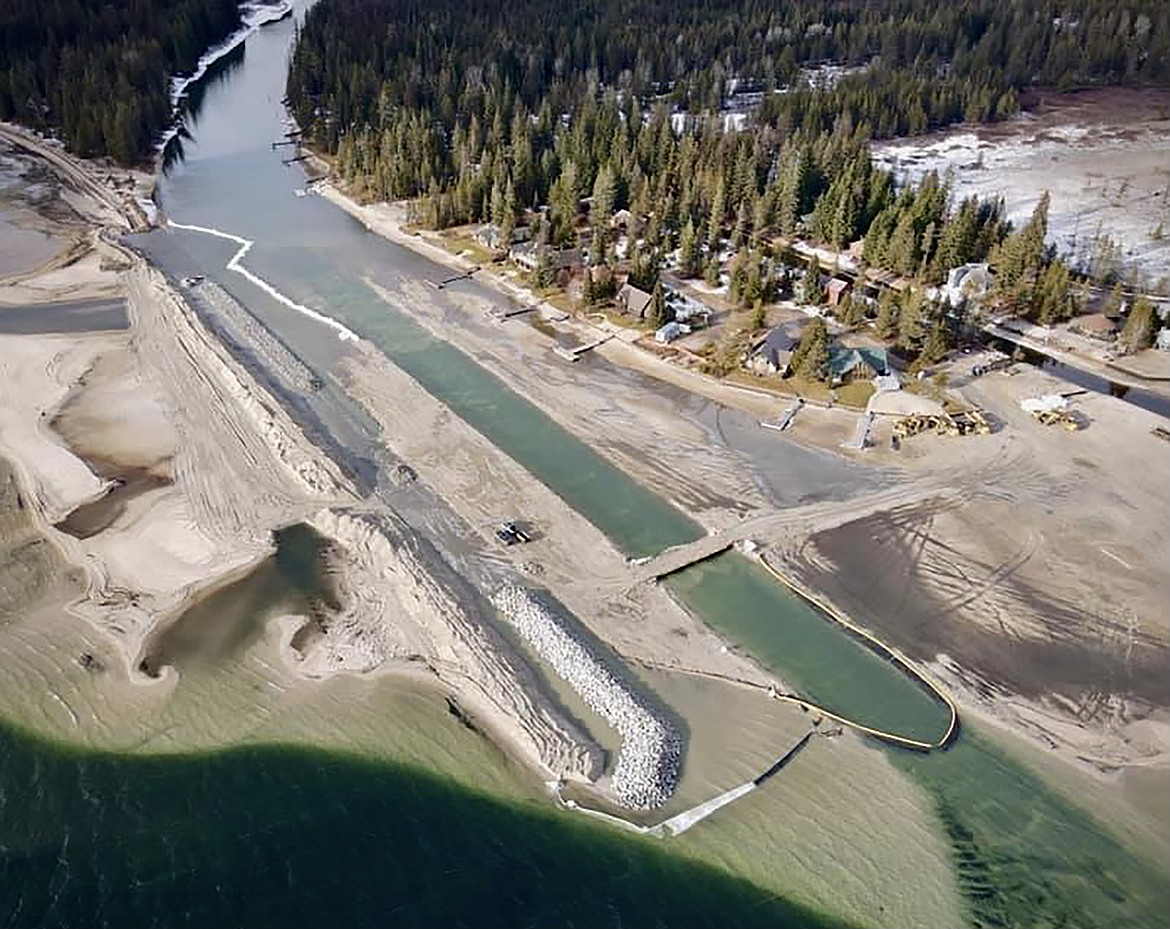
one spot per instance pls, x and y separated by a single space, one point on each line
847 363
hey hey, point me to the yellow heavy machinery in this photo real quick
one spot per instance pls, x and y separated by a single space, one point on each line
971 422
1062 418
964 422
925 422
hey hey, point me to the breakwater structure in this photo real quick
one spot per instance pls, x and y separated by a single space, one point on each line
648 761
681 822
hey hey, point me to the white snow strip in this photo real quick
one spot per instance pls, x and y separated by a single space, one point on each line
254 16
234 264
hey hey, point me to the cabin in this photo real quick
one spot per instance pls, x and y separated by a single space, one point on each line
489 235
633 301
627 222
530 256
847 364
773 353
835 291
966 282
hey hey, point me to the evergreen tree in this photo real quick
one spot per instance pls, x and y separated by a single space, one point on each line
911 320
810 358
660 312
712 273
811 283
886 324
1140 327
689 256
1052 301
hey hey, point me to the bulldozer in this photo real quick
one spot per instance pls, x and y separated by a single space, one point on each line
1061 418
971 422
926 422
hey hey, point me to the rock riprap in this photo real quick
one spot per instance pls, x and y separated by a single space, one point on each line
647 767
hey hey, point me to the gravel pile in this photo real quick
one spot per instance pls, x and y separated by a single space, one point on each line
648 763
233 323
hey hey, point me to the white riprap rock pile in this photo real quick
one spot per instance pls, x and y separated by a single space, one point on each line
648 763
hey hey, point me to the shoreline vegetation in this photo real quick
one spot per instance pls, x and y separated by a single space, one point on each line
247 469
388 221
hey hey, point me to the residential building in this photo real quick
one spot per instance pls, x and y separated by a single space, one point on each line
835 291
633 301
773 353
849 364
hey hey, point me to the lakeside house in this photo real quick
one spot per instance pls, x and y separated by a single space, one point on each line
847 364
969 282
489 235
633 301
688 310
835 290
627 222
773 353
530 256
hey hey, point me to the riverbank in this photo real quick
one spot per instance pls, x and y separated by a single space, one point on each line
988 469
153 460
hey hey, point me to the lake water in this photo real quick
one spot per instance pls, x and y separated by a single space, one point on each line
282 836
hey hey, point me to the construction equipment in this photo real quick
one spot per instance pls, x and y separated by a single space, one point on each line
1051 410
940 424
971 422
509 533
1061 418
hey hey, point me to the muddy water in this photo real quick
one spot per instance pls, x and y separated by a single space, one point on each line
23 249
223 625
126 483
65 316
425 865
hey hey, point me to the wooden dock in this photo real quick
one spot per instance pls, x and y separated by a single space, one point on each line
502 315
466 276
572 354
861 435
784 420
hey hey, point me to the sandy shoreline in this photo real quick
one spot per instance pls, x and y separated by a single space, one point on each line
167 399
438 633
1053 725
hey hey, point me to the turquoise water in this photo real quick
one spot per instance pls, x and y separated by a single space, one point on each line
291 837
276 836
1025 856
814 655
633 518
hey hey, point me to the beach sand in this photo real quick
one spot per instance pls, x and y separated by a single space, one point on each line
1022 548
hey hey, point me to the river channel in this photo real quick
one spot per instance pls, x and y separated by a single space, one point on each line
230 178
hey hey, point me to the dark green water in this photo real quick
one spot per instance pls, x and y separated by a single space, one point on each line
819 659
1027 857
284 837
288 837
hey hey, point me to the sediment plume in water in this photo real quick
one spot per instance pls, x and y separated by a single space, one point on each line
647 768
